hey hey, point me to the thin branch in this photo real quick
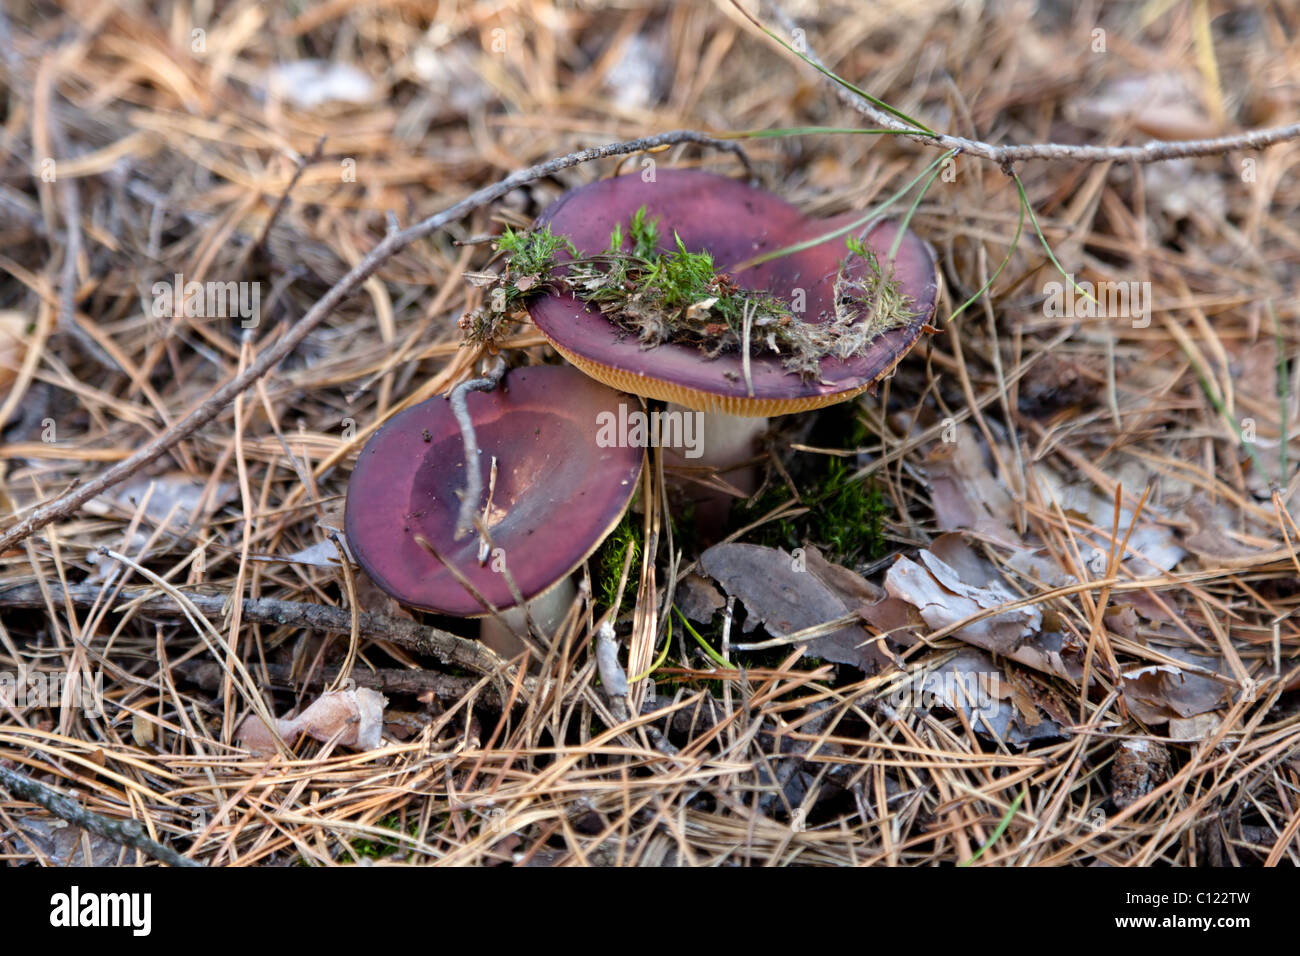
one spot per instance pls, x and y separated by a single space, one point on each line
447 647
72 499
303 163
473 466
389 680
122 832
1004 156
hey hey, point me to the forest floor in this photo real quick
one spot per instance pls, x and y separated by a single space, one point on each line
1091 660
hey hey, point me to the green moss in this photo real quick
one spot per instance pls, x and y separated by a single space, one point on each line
378 849
679 296
609 560
845 517
848 515
532 253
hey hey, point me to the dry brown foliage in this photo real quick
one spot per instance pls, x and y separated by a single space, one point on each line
170 156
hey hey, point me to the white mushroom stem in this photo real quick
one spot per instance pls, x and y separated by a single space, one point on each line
723 442
547 611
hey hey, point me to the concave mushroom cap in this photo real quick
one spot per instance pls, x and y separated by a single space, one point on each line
734 222
557 496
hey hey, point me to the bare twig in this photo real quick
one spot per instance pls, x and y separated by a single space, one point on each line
1004 156
447 647
303 163
122 832
72 499
473 467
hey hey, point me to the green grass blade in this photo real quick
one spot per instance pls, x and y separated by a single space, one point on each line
713 655
1002 827
919 128
993 278
842 230
911 210
1043 239
663 655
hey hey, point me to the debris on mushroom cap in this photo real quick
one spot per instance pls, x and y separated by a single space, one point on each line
557 494
735 223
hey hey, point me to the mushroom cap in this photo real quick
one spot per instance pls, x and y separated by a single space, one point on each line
734 222
557 496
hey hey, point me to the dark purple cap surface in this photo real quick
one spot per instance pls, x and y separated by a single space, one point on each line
558 494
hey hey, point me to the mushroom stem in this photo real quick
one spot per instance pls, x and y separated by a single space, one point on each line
547 611
723 443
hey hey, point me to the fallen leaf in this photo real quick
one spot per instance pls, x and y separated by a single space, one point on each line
849 586
322 554
697 598
1152 547
897 620
970 683
1157 693
355 717
161 494
1038 566
62 844
965 493
786 600
1210 541
937 590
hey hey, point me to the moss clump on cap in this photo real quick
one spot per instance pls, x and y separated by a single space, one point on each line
679 296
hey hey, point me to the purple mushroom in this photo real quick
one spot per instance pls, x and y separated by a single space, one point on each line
557 495
735 223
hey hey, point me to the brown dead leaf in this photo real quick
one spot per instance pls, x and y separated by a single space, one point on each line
781 594
971 683
896 619
967 496
1210 542
174 489
697 598
943 598
851 587
1158 693
63 844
